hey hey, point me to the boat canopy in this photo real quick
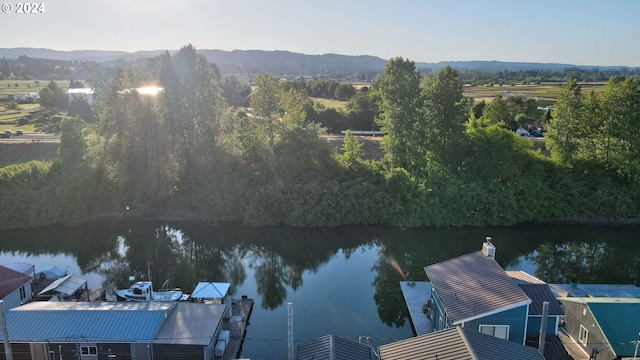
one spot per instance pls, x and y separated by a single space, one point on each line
66 285
210 290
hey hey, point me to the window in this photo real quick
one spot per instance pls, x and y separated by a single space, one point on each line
499 331
584 335
88 350
23 293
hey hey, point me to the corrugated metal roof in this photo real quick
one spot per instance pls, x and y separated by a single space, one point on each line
487 347
539 293
192 324
87 321
618 319
66 285
459 344
445 344
332 347
596 290
472 285
521 277
10 280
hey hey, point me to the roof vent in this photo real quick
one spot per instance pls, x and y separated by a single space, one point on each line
488 249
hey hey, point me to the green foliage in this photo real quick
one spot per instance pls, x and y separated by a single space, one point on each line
80 107
351 150
53 96
401 115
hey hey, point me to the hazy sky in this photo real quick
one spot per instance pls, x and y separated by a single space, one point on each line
583 32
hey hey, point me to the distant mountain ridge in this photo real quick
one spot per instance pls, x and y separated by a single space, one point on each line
256 61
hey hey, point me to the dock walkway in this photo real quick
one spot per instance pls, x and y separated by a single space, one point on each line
237 325
416 294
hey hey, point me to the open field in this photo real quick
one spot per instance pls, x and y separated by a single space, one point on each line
16 153
544 91
336 104
8 87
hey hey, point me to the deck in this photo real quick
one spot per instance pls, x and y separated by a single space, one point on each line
416 294
237 325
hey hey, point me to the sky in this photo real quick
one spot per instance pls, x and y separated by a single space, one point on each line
580 32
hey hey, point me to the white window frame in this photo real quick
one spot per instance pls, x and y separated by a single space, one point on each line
583 336
493 333
88 351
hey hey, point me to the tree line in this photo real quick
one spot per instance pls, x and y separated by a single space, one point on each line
187 153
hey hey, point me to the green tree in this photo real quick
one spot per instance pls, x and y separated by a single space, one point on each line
351 150
402 115
193 106
266 105
53 96
362 110
619 146
79 106
563 138
497 112
344 92
446 115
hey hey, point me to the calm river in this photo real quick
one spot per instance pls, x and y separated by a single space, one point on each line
342 281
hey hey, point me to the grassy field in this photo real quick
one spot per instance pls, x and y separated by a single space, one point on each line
21 153
542 92
8 87
329 103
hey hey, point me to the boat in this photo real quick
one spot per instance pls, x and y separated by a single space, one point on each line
143 291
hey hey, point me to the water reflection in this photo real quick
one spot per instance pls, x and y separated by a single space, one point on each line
275 262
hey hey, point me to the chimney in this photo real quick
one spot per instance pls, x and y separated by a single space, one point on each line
488 249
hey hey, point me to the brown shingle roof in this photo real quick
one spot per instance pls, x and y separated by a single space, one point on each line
10 280
472 285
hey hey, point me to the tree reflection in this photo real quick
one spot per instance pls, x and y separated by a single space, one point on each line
595 262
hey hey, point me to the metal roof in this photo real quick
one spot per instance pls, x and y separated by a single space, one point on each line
457 343
618 319
192 324
473 285
521 277
491 348
11 280
596 290
332 347
539 293
66 285
88 321
210 290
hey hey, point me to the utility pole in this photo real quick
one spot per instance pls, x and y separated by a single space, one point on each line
290 329
5 333
543 327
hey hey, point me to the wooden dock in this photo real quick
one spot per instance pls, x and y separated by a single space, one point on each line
237 326
416 294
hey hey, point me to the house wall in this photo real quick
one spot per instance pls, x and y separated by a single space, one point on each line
533 325
14 299
574 317
439 313
173 351
19 352
516 319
